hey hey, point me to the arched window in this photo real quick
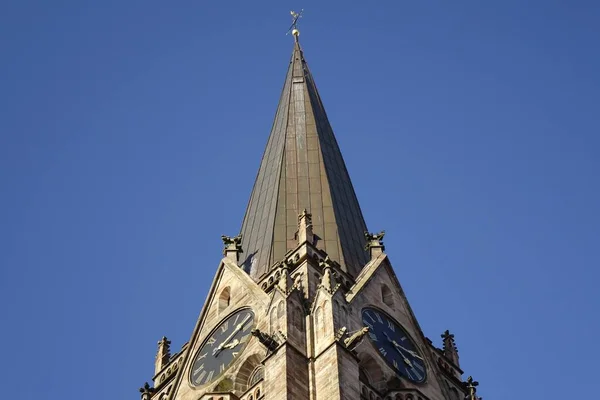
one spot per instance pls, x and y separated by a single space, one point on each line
325 326
273 322
257 375
224 299
298 317
386 296
319 321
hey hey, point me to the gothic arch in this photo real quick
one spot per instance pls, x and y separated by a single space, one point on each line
242 378
387 296
325 329
273 323
319 321
224 298
371 371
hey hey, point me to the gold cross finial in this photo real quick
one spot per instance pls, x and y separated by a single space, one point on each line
294 27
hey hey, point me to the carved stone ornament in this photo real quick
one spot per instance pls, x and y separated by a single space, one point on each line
267 340
147 391
374 240
354 340
471 386
232 246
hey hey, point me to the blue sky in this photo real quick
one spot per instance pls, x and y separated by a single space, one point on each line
131 132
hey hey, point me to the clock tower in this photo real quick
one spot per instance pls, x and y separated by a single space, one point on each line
305 303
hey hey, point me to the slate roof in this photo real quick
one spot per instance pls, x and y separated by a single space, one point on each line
302 168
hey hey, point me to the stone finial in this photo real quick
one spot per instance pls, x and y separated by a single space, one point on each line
267 340
147 391
327 280
285 280
305 228
354 340
450 350
471 386
163 355
232 247
374 243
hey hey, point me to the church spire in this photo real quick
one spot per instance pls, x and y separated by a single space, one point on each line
302 169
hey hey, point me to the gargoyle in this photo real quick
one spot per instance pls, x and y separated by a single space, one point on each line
267 340
353 340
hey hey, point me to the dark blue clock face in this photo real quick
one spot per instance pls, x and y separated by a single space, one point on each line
394 345
222 346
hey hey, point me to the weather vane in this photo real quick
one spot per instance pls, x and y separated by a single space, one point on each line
294 27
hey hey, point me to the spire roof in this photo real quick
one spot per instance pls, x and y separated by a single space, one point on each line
302 168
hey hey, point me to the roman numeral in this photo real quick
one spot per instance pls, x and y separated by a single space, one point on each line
383 351
224 326
418 365
222 368
391 326
211 341
370 316
209 377
201 376
201 356
409 374
373 337
396 364
198 369
419 376
368 324
403 338
234 354
378 317
236 319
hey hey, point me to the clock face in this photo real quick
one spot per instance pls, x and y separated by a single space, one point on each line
394 345
222 346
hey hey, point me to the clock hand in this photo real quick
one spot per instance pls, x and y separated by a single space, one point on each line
235 331
397 347
232 344
412 353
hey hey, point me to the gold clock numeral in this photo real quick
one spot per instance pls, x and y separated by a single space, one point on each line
198 369
234 354
236 319
201 376
224 326
222 368
209 377
201 356
211 341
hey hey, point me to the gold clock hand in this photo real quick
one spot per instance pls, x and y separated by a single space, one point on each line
235 331
232 344
412 353
397 347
